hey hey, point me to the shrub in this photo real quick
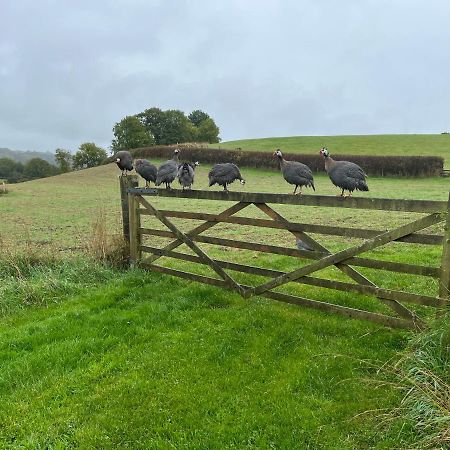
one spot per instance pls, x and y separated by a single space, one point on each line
409 166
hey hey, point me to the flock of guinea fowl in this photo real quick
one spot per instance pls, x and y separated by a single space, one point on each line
346 175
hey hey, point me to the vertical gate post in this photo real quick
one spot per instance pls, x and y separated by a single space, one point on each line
135 224
126 182
444 282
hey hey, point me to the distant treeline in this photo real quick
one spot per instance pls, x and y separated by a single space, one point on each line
16 172
408 166
25 156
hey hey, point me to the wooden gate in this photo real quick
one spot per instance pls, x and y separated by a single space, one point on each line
402 316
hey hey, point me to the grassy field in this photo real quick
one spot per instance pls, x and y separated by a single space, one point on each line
97 357
389 144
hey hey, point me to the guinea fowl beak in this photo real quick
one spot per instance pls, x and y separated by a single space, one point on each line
242 182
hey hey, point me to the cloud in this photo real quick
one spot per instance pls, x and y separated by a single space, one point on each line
70 70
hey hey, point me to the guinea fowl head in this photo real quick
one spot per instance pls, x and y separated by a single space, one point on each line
324 152
278 153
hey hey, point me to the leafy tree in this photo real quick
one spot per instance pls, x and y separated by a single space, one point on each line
177 127
63 159
208 131
130 132
88 155
39 168
10 170
197 116
153 120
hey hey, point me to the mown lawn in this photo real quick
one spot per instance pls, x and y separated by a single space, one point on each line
383 145
145 361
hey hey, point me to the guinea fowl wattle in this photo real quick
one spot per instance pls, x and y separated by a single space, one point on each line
344 174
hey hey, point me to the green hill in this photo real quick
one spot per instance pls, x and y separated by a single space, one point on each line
382 144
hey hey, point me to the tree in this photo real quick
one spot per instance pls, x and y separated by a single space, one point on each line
39 168
176 127
130 132
63 159
208 131
153 120
10 170
197 116
88 155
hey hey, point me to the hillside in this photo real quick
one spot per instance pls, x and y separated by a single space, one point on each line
25 155
388 144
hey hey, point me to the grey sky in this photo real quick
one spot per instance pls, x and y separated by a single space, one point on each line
70 69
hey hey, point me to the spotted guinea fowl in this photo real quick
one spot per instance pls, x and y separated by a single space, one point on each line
168 171
344 174
224 174
186 172
295 172
146 170
124 161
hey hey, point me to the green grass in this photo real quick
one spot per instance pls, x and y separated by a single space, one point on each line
146 361
94 357
384 145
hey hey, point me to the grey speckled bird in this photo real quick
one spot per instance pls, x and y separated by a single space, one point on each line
146 170
295 173
186 172
344 174
168 171
224 174
124 161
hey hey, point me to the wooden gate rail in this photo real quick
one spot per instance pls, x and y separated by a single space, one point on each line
322 257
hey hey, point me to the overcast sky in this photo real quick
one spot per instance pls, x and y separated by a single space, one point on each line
69 70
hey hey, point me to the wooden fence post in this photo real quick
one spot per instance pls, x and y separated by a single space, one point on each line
126 182
135 224
444 282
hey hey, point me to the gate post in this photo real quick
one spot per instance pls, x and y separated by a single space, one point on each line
444 282
126 182
135 235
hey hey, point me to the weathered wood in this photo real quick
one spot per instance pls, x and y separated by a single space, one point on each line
388 294
362 233
201 228
412 269
444 282
299 301
387 204
341 256
126 182
188 241
135 226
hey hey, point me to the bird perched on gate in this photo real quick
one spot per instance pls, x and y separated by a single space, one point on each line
168 171
186 172
224 174
295 172
124 161
146 170
344 174
302 245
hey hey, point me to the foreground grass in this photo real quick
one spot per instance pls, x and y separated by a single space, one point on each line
383 145
145 361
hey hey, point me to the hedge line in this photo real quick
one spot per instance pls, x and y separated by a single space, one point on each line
410 166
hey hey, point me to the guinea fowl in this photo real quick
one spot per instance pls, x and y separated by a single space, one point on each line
124 161
186 172
168 171
344 174
146 170
224 174
295 172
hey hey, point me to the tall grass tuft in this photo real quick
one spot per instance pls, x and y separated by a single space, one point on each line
422 375
106 246
3 188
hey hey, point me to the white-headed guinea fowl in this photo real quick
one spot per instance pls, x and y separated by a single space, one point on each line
124 161
344 174
224 174
186 172
295 172
146 170
168 171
